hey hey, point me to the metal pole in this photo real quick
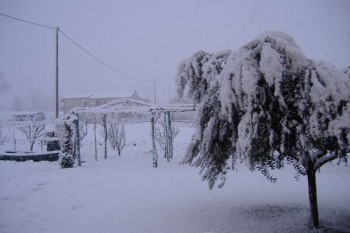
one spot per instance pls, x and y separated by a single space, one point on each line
78 139
170 133
155 91
57 107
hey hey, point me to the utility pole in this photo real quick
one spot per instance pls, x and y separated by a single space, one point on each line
155 91
57 107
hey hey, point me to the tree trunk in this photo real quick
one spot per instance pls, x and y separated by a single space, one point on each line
14 144
31 145
74 149
105 146
105 138
314 219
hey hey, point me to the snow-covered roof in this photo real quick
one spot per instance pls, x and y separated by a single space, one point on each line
111 95
77 96
114 104
108 108
102 95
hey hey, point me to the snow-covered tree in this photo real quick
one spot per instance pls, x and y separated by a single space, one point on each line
2 136
165 135
116 137
67 147
11 131
197 73
34 129
83 130
269 105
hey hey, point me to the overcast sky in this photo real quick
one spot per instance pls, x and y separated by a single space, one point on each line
148 39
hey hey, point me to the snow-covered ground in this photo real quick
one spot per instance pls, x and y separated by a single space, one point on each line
125 194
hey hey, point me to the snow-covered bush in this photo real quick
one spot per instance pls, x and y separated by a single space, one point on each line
66 162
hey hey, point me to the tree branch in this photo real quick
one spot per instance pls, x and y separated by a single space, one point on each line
324 159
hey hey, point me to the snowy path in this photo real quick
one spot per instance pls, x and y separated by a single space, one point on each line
125 194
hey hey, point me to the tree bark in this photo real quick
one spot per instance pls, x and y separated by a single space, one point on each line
31 145
314 219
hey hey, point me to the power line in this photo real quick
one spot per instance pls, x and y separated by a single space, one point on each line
25 21
74 42
103 63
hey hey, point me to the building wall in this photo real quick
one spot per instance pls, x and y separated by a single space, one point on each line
71 103
68 104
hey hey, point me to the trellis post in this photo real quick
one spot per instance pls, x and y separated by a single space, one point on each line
166 149
95 141
78 139
154 149
170 137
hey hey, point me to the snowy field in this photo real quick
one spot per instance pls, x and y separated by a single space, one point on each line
124 194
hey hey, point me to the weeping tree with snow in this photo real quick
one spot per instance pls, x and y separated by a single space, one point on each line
116 136
267 105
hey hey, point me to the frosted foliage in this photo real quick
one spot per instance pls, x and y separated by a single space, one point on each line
180 79
262 59
263 103
271 66
196 74
189 78
347 72
213 67
329 94
266 57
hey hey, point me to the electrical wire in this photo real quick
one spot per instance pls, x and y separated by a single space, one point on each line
74 42
103 63
25 21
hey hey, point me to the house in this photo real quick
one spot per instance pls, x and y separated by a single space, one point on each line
126 110
97 99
